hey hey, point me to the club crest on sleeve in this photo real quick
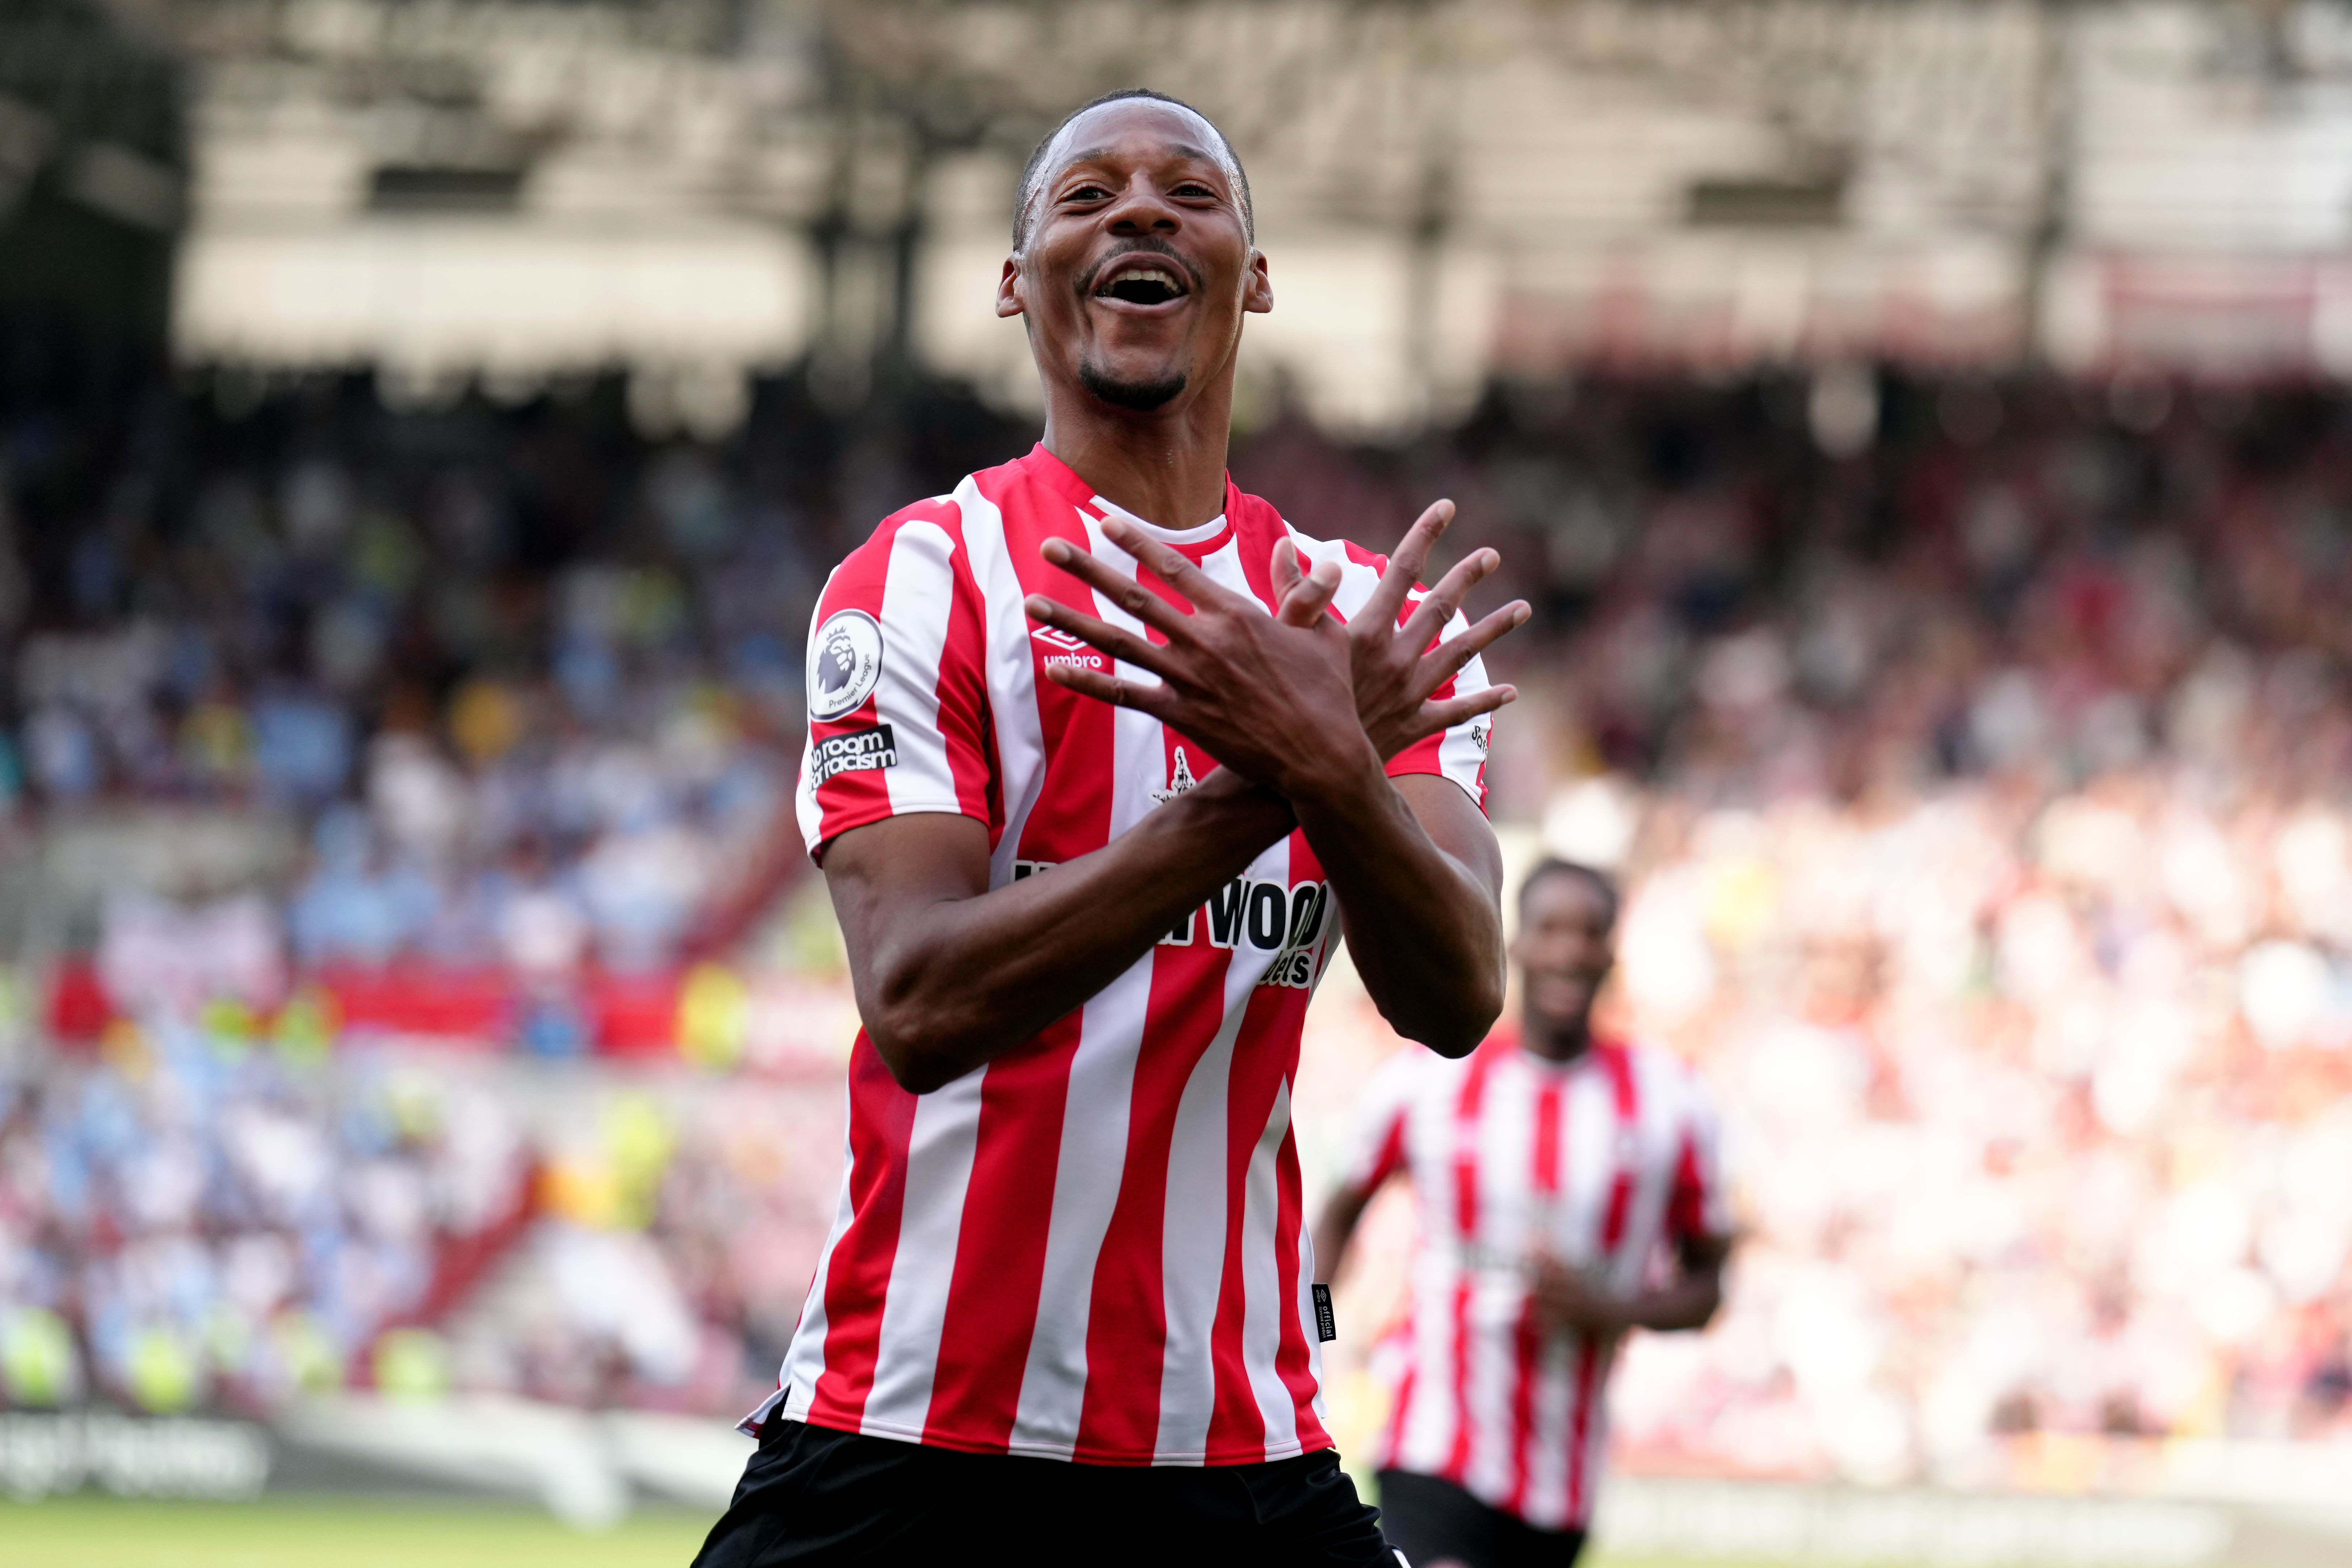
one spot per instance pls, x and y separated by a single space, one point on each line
844 663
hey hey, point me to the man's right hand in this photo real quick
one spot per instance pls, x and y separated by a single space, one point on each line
1397 668
1270 696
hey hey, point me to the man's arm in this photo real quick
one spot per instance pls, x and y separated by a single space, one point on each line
1337 1225
1689 1301
949 975
1419 878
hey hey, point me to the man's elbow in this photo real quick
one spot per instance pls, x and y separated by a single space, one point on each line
915 1044
1454 1030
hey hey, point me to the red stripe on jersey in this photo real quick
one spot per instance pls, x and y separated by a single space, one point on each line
1256 526
1000 1262
1072 817
1235 1422
881 1121
1126 1325
1687 1210
1392 1151
1529 1340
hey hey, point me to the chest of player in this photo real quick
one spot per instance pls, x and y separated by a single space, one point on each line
1101 772
1545 1164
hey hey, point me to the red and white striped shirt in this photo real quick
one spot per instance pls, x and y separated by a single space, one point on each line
1094 1247
1603 1162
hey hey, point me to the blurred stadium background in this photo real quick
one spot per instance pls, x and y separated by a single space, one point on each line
1921 426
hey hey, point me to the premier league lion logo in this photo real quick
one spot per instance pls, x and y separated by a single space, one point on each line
844 663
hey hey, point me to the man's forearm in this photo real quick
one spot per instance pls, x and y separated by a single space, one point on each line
1337 1223
962 980
1689 1302
1426 935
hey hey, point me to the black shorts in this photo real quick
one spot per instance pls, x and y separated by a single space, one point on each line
811 1495
1434 1522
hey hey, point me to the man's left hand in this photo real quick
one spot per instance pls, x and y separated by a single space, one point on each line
1566 1299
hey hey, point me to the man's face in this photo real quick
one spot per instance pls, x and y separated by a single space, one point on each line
1138 266
1564 949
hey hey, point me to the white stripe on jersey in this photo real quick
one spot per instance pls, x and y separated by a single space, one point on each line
1261 1293
939 1167
1011 681
915 609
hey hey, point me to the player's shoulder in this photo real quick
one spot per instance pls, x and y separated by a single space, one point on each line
936 523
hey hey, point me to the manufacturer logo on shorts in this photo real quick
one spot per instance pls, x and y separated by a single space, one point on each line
854 751
844 663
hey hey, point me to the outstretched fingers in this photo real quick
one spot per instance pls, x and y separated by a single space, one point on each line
1405 565
1114 586
1104 686
1171 565
1301 599
1435 717
1429 617
1444 662
1099 634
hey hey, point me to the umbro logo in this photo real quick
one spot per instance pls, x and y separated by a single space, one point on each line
1067 648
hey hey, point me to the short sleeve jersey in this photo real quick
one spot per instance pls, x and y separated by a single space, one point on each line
1094 1247
1603 1163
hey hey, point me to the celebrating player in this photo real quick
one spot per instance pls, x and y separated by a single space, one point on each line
1556 1174
1102 757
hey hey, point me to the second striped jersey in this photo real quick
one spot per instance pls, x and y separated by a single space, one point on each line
1094 1247
1602 1162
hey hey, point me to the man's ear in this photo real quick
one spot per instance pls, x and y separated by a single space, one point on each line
1257 289
1008 289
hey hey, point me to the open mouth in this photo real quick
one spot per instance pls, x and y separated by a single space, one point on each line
1140 284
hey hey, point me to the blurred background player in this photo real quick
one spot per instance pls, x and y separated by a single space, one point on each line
1569 1194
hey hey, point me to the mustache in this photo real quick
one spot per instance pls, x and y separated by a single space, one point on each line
1127 252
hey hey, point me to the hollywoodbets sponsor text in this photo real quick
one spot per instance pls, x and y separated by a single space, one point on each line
1270 917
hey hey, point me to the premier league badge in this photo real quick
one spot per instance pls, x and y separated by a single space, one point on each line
844 663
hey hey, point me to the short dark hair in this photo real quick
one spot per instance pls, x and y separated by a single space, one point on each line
1601 881
1025 194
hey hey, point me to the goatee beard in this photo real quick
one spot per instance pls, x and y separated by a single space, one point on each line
1143 396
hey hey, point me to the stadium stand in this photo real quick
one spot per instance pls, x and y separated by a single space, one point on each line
1980 794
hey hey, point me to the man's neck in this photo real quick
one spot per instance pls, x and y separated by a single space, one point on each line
1167 466
1556 1043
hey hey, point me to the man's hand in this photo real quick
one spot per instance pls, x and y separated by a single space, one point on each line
1396 669
1566 1301
1270 696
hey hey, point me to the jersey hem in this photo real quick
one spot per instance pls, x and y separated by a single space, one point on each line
1071 1454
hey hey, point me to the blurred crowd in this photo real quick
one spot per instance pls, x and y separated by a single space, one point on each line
1987 801
205 1220
1980 783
